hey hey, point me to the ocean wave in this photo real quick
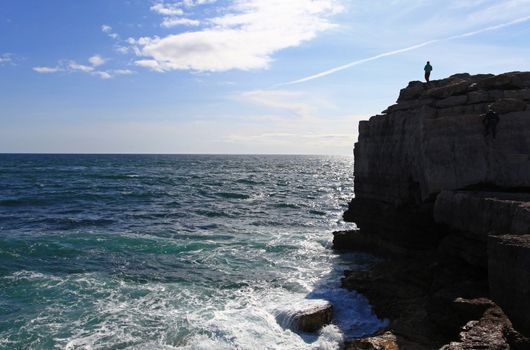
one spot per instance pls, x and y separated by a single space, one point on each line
169 252
232 195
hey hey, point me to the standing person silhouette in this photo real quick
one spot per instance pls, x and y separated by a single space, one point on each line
428 70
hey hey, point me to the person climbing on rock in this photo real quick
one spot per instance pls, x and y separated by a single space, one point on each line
428 70
490 121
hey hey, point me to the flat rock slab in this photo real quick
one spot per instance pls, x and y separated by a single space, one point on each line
484 213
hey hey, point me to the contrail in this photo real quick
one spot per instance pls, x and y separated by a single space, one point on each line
410 48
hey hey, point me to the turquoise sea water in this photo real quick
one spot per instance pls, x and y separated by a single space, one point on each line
172 251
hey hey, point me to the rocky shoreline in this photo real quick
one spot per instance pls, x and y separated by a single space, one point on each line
449 210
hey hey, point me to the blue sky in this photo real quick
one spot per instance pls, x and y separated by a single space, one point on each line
214 76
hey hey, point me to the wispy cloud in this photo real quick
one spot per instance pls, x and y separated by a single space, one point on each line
406 49
6 58
173 22
167 9
74 66
243 38
293 121
92 68
289 102
47 70
173 10
109 31
109 74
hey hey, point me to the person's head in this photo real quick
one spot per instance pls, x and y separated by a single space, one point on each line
428 62
490 107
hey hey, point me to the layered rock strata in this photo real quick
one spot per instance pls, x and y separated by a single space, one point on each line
450 205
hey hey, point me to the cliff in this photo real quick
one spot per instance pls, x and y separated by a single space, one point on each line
451 203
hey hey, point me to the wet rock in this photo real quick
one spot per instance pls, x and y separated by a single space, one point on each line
386 341
314 318
488 333
307 316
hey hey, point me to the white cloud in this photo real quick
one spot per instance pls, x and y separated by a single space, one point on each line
121 49
96 60
103 75
192 3
122 72
151 64
167 9
244 38
80 67
47 70
6 58
73 66
109 31
169 22
112 73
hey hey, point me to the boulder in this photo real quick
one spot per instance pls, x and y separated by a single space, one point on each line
314 317
307 316
385 341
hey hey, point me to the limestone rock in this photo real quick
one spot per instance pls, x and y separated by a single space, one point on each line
484 213
509 277
452 101
307 316
436 198
386 341
479 96
314 318
418 149
412 91
507 105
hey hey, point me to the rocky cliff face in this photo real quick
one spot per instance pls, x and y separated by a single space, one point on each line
433 140
429 182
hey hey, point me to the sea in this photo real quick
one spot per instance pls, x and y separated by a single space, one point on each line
174 251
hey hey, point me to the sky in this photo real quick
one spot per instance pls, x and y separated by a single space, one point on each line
232 76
